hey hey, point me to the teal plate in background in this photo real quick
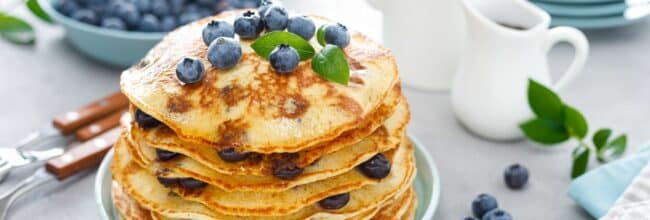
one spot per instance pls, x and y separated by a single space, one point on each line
580 1
630 16
427 185
575 10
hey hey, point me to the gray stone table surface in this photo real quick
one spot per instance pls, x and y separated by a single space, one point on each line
51 77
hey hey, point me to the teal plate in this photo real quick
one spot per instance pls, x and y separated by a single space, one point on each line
573 10
427 185
630 16
579 2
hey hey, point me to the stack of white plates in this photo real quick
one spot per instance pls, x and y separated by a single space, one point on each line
595 14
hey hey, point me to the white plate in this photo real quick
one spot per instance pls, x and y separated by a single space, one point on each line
427 185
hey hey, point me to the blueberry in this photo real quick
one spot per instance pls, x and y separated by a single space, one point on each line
483 204
224 52
216 29
265 5
165 181
302 26
516 176
160 8
231 155
190 183
177 6
206 3
469 218
66 7
113 23
335 201
205 12
497 214
149 23
192 7
164 155
376 167
144 6
86 16
284 59
168 23
188 17
125 11
190 70
286 170
276 18
244 3
338 35
249 25
96 5
145 121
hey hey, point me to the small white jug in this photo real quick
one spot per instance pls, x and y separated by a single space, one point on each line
506 43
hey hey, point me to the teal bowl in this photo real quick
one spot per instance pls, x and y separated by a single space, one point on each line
113 47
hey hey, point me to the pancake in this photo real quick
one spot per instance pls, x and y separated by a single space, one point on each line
250 106
294 204
164 138
130 210
410 212
396 209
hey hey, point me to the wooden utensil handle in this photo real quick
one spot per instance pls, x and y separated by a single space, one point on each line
70 121
84 155
92 130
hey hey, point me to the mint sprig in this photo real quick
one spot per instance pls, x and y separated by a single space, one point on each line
330 63
266 43
556 122
16 30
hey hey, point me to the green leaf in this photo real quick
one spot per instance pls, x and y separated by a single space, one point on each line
544 102
16 30
613 150
331 64
580 162
320 35
600 138
38 11
544 131
266 43
575 122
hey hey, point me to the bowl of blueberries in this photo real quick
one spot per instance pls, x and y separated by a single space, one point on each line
120 32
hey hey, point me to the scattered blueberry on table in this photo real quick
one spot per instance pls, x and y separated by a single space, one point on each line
284 59
482 204
145 15
497 214
516 176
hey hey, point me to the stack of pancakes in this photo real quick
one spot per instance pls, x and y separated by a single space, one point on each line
249 143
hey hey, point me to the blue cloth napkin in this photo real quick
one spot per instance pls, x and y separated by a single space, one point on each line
597 190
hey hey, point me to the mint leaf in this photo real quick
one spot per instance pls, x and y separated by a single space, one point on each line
16 30
320 35
38 11
266 43
331 64
613 150
600 138
544 102
580 162
575 122
544 131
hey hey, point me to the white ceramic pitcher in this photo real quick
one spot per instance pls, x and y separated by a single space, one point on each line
489 92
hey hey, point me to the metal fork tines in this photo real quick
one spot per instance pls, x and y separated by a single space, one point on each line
12 157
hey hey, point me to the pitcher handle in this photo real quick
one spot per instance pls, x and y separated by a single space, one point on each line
580 44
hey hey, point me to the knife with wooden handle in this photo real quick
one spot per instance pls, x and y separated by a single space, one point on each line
71 121
78 158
